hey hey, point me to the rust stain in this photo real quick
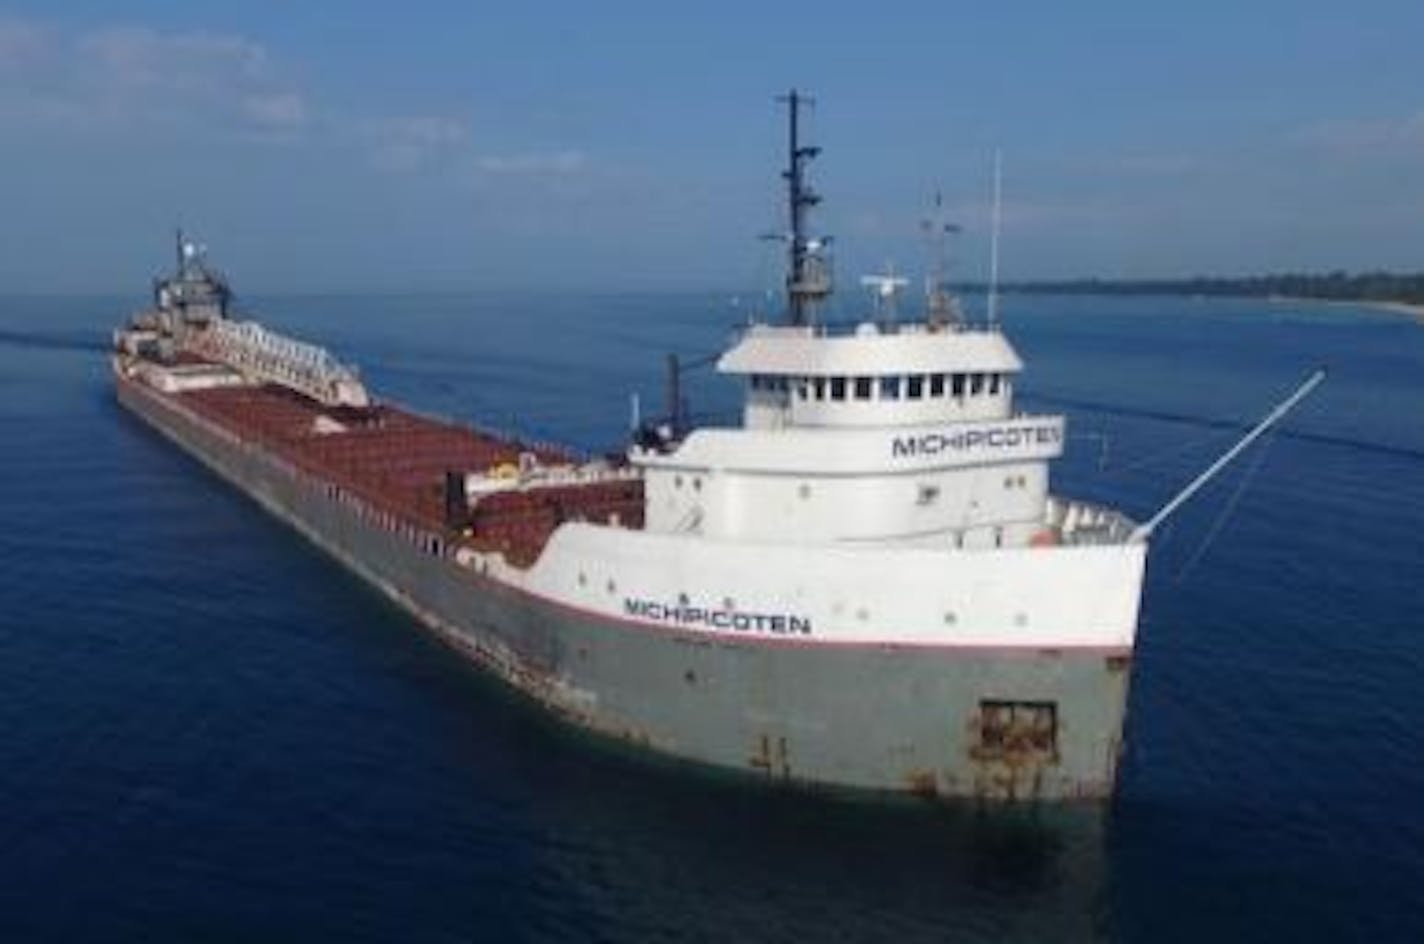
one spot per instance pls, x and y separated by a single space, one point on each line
762 758
772 756
922 783
1015 750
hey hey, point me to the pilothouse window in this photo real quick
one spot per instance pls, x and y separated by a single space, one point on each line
889 388
994 384
838 388
976 384
958 385
862 388
936 385
915 388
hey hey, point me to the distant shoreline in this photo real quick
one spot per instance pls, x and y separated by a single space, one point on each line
1408 309
1400 293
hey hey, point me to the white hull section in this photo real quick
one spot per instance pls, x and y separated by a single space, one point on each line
1036 598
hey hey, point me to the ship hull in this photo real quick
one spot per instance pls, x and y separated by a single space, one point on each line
1011 724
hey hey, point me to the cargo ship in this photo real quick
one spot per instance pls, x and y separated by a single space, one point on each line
867 584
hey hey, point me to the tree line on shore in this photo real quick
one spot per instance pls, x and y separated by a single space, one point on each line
1334 286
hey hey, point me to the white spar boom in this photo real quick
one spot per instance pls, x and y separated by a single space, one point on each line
1143 531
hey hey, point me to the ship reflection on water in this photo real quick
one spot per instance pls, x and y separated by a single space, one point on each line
732 863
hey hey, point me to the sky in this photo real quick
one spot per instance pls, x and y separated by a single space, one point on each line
453 145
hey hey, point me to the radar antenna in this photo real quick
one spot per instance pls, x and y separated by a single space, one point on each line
884 288
808 274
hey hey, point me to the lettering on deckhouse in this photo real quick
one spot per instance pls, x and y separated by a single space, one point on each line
740 621
1010 436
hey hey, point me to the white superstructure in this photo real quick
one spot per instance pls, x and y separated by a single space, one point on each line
893 435
881 489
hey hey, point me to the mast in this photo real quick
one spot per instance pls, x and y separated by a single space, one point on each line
807 280
941 308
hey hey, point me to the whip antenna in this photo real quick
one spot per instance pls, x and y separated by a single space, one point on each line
994 239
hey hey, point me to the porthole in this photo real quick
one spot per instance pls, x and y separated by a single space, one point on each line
611 587
582 579
949 618
683 599
696 484
677 481
804 490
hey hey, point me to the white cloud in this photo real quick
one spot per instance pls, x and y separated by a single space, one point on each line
1364 136
137 80
278 111
22 43
139 57
126 75
556 163
412 142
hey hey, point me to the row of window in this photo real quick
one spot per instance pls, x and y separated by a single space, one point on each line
894 387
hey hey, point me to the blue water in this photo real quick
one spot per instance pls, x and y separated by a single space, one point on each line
210 732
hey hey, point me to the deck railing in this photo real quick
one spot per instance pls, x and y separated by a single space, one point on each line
1080 522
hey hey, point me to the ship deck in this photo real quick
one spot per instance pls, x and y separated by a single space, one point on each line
396 462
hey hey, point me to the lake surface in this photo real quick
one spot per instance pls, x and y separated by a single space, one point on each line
211 732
